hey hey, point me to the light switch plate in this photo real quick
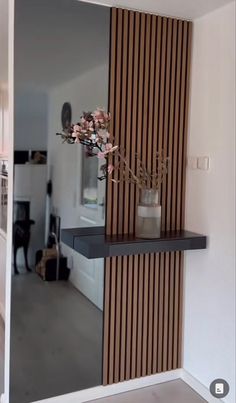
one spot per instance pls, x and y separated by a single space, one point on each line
192 162
203 163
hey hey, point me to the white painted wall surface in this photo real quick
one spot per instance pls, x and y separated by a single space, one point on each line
209 309
31 119
86 92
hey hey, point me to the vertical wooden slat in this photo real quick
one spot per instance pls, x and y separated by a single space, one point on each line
171 311
160 312
111 319
135 317
155 312
123 135
176 128
118 319
112 96
157 89
130 102
171 125
176 311
151 90
106 329
124 314
145 133
141 136
180 317
148 100
145 314
166 115
162 96
186 119
150 315
140 316
134 111
181 126
130 315
166 313
117 125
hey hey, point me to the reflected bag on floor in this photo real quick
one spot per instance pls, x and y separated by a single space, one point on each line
46 265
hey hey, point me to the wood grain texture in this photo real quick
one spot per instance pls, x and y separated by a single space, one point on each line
148 99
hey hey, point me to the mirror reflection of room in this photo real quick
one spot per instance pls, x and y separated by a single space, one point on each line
61 70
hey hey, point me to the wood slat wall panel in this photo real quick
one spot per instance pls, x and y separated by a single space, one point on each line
148 99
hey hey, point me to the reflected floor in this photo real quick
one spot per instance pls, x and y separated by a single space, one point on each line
2 332
56 340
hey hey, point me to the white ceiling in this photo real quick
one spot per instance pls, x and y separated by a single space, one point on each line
187 9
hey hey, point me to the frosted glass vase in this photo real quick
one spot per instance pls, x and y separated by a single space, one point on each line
148 216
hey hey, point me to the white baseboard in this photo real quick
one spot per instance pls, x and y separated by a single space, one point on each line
202 390
105 391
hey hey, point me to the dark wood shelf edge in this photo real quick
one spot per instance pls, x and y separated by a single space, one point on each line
93 243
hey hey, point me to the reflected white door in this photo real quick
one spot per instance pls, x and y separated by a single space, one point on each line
88 274
2 273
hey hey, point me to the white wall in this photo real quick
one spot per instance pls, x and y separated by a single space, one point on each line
31 119
209 333
86 92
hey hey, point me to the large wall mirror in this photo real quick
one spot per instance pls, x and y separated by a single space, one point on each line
61 70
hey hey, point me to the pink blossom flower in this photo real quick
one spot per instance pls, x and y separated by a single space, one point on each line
103 134
109 148
76 128
101 116
101 154
110 169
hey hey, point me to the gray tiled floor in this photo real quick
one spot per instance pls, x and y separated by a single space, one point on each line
1 355
169 392
56 340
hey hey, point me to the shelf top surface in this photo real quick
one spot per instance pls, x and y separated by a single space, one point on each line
93 243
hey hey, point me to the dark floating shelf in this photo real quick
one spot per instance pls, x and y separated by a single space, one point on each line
93 243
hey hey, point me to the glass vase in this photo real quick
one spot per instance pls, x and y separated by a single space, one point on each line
148 215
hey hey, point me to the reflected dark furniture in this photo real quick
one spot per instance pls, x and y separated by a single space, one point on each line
21 231
21 239
51 267
49 257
